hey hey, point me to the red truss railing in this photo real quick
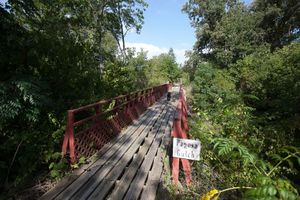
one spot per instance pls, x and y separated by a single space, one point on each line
90 127
180 130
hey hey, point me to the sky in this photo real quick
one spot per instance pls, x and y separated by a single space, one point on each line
165 27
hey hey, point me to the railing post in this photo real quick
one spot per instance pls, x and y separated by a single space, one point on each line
137 104
144 99
152 97
98 110
175 161
180 129
69 137
148 97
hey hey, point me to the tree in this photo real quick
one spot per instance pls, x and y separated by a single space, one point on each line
245 96
229 30
226 30
129 15
172 68
163 68
204 16
55 55
138 62
280 20
235 36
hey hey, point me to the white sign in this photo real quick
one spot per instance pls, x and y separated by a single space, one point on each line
188 149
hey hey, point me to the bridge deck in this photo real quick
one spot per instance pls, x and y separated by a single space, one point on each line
130 166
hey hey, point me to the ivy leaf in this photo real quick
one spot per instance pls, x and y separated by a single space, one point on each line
54 173
272 190
51 165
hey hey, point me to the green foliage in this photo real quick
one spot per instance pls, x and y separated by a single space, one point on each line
272 79
163 68
280 20
21 98
216 99
245 145
57 165
118 78
212 86
267 188
138 63
268 75
246 97
237 32
249 136
230 147
57 55
242 167
226 146
228 30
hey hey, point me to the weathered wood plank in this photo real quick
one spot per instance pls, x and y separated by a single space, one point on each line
123 184
137 184
150 188
154 177
84 178
106 185
96 179
66 181
93 181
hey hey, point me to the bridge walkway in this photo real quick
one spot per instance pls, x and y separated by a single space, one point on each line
128 167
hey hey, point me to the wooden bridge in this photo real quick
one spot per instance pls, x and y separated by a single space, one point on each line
128 143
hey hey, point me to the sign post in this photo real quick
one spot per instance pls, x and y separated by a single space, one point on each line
185 148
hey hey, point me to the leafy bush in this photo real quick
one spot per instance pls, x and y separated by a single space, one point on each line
246 118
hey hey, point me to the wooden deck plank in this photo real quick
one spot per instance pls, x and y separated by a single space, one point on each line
66 181
149 191
161 162
77 184
107 184
137 184
122 186
93 181
129 155
154 177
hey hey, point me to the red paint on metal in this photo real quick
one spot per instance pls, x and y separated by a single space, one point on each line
100 126
175 170
180 130
187 170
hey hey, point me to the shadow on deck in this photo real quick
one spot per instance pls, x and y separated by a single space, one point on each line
129 166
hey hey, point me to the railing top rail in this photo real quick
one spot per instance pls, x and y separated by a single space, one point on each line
124 110
140 93
82 121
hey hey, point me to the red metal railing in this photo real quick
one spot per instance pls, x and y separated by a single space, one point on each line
90 127
180 130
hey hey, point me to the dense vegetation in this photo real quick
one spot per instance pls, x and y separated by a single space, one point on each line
245 75
57 55
244 72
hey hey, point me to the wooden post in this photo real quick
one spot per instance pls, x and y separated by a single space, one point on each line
180 129
69 137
